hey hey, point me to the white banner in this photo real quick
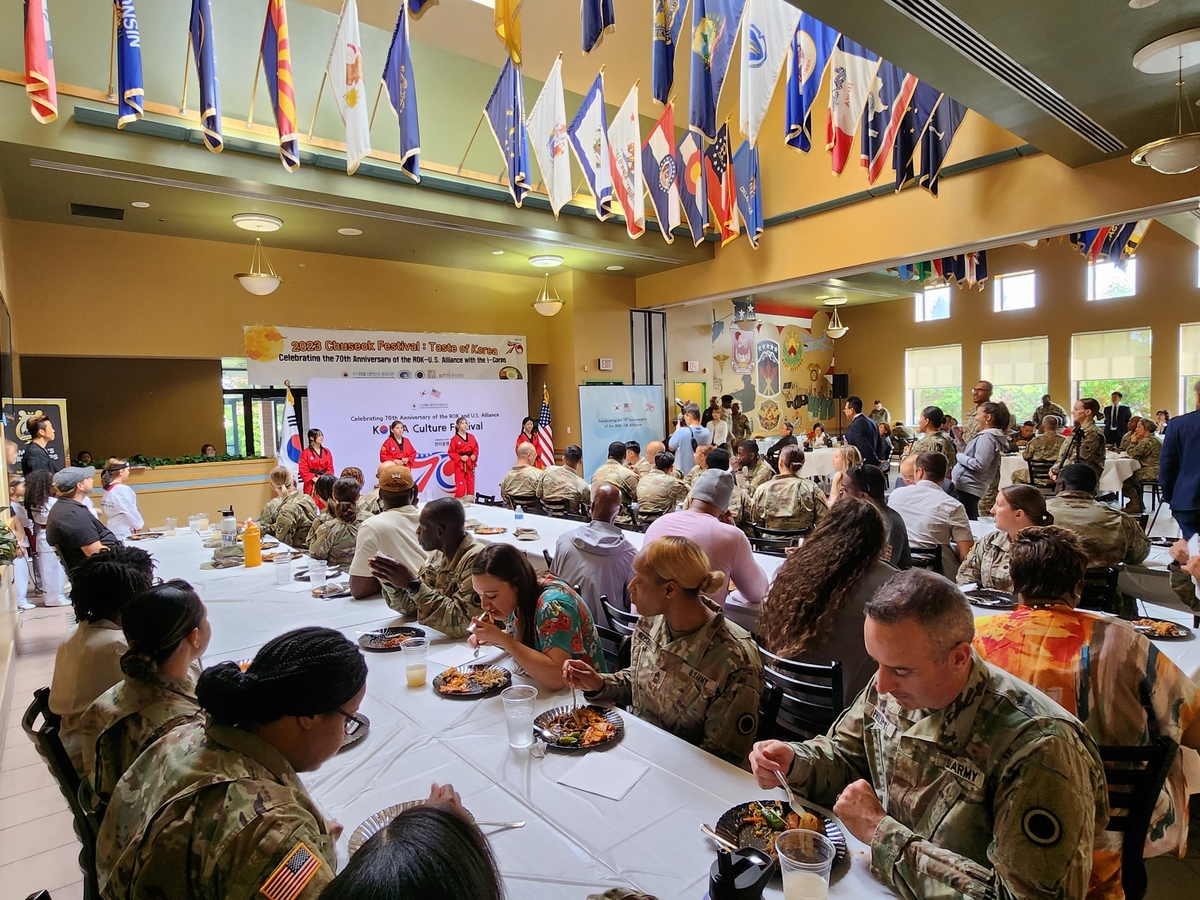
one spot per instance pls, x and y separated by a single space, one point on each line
355 415
610 412
278 353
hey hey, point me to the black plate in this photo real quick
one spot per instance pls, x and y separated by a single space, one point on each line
541 723
374 639
145 536
989 599
475 692
1185 633
304 575
356 738
729 826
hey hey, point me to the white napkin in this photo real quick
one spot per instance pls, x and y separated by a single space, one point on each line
605 775
296 587
461 654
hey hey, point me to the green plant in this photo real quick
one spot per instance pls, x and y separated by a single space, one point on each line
153 462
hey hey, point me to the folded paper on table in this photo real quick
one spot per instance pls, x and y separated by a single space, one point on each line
461 654
605 775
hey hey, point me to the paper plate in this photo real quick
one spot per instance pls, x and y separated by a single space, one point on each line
380 821
541 728
732 827
353 740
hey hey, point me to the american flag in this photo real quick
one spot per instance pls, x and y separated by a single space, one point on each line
544 439
293 874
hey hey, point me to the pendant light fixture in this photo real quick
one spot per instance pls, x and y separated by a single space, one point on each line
835 329
261 279
1180 152
548 303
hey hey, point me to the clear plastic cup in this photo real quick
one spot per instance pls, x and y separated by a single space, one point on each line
518 713
283 568
805 858
316 573
194 523
415 651
170 523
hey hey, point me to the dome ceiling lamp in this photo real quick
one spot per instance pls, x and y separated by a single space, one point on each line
548 303
261 279
835 329
1180 152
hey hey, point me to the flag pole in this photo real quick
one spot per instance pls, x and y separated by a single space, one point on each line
254 91
187 62
325 74
375 108
112 55
470 142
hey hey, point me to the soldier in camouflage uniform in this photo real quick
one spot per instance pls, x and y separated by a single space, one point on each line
752 470
692 672
283 484
739 424
1109 537
1046 447
1127 437
294 520
615 472
931 438
266 518
561 489
659 491
789 502
1086 443
988 562
988 791
1145 447
635 460
699 465
334 540
1050 408
440 595
519 487
370 502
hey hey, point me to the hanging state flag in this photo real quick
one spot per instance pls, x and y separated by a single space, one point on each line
598 19
276 52
668 23
661 171
508 27
852 70
506 115
625 153
1129 241
349 89
886 104
287 454
714 29
749 197
588 134
402 95
938 136
417 7
913 123
130 90
719 187
547 125
39 62
690 160
206 70
767 31
811 47
1090 243
543 438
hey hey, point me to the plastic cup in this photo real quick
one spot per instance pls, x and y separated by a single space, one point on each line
415 651
170 522
316 573
194 524
283 568
518 713
805 858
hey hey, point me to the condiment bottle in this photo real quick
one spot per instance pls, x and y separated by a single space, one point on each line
252 544
228 528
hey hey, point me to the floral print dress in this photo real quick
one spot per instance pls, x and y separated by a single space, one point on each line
563 621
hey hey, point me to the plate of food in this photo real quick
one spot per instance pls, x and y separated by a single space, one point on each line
388 640
1163 541
330 591
357 735
757 823
472 682
145 535
380 821
281 554
579 727
1161 629
490 529
990 599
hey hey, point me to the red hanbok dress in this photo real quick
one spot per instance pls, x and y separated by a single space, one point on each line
464 456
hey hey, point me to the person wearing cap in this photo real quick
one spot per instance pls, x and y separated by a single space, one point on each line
391 534
71 528
707 522
120 502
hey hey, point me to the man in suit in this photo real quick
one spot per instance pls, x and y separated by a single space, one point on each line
862 432
1116 420
1179 468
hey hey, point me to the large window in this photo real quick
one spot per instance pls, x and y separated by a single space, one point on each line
933 377
1189 366
1013 291
253 416
1105 280
1018 371
933 304
1107 361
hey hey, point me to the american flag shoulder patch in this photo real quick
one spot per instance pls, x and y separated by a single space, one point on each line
293 874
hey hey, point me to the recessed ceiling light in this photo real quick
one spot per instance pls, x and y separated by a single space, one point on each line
545 262
497 253
350 232
260 222
616 268
140 204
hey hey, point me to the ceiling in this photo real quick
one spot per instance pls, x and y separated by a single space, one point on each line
859 290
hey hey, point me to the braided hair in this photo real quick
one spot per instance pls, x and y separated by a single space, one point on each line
155 623
307 672
104 583
344 504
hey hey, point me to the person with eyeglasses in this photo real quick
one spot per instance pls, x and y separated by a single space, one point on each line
217 811
120 502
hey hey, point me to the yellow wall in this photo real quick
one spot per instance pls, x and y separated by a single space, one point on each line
8 600
873 350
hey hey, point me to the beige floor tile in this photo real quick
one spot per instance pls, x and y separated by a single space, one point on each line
26 684
26 841
14 714
70 892
19 755
32 805
48 870
25 779
35 663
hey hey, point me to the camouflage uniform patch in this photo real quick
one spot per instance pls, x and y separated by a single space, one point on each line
988 562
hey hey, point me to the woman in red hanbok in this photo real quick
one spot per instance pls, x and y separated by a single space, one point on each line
464 457
315 461
398 448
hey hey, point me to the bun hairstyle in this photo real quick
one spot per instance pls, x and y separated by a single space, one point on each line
155 622
323 487
307 672
344 502
111 468
682 561
1029 500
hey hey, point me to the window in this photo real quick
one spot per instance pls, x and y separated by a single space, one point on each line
1189 365
933 377
1014 291
1106 281
1107 361
253 416
933 304
1018 371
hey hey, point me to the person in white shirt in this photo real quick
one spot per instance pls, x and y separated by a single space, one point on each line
719 428
120 502
391 533
21 530
934 518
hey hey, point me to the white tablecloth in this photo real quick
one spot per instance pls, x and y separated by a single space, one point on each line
573 843
1116 470
818 462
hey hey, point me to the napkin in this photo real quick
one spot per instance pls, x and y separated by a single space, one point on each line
605 775
461 654
296 587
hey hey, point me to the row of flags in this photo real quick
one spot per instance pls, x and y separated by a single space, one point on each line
1111 243
961 270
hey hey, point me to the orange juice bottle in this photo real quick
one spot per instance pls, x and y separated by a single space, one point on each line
252 544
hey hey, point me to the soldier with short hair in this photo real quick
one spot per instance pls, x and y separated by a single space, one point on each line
1110 537
634 458
932 439
519 487
787 501
561 489
659 491
963 780
615 472
1050 408
752 469
739 424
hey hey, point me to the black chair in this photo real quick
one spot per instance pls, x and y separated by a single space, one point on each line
1039 474
791 537
769 547
1100 590
1135 778
618 619
1155 492
487 500
576 517
549 560
40 895
50 747
616 648
807 699
927 558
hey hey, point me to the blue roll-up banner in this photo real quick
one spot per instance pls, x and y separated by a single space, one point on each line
614 412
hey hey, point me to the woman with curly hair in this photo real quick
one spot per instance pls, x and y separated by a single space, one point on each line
814 613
